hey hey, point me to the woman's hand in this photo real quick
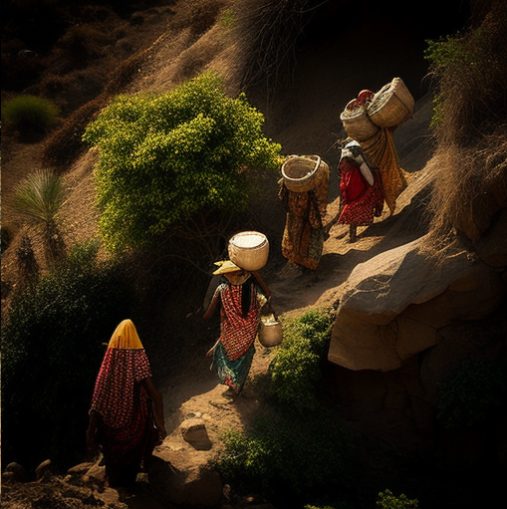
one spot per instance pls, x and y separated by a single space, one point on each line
162 433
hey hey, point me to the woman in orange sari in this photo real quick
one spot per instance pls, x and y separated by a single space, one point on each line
126 415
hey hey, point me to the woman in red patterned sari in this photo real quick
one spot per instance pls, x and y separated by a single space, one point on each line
360 188
240 299
126 415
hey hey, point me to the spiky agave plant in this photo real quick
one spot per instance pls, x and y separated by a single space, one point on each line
38 200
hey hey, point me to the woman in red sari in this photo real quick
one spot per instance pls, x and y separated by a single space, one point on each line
360 188
126 415
240 297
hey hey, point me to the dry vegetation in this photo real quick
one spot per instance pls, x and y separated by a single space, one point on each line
472 131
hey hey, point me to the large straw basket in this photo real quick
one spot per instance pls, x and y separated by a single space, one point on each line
391 105
249 250
357 124
300 172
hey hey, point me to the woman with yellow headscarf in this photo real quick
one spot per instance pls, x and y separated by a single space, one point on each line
126 415
239 296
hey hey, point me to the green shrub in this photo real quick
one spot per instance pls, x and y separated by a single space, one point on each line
389 501
296 365
166 159
52 347
29 114
475 392
291 460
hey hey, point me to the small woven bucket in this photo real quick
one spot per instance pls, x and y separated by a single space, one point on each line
392 105
299 172
357 124
270 331
249 250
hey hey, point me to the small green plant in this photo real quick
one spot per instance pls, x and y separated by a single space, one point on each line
30 115
475 392
226 19
296 365
168 159
386 500
37 202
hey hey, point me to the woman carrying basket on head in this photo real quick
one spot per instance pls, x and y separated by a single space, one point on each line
240 296
304 234
360 188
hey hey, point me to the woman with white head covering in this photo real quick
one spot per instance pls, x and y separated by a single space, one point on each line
360 188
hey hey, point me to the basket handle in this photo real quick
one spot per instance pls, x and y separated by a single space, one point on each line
318 161
268 307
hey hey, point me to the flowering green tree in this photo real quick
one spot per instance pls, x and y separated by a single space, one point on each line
165 159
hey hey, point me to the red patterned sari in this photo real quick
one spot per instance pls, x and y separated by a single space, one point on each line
234 352
122 406
361 202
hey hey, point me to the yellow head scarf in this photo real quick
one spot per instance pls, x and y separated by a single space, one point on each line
125 337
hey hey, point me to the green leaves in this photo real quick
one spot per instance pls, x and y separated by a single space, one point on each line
386 500
296 366
39 197
163 159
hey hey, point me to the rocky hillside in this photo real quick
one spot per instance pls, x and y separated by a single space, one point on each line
403 322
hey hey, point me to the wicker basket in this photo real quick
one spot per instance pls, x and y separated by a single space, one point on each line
270 331
392 105
249 250
357 124
299 172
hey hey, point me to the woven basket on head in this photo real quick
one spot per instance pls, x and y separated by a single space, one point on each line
299 172
249 250
392 105
357 124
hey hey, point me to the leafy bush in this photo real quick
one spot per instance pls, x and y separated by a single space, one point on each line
29 114
291 460
165 159
389 501
52 347
475 392
295 367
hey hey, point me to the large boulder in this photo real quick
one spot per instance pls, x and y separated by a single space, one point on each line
181 473
394 304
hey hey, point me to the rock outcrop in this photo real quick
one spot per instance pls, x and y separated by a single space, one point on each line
181 473
394 304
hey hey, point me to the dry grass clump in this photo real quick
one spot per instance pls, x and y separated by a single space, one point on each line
471 185
471 181
198 15
266 34
65 144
